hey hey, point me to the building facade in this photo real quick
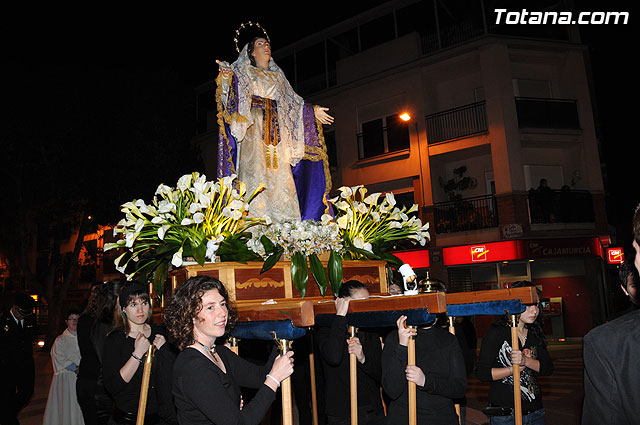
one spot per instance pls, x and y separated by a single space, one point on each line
469 119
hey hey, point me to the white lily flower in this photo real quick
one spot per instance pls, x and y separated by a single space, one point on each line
186 221
395 225
162 230
367 247
165 206
176 260
163 189
361 208
342 222
390 198
194 207
376 216
227 212
267 220
358 242
184 182
158 220
343 205
413 208
198 217
372 199
130 238
325 219
139 225
345 192
236 204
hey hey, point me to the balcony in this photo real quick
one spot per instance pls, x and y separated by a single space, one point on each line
547 113
464 121
560 206
466 214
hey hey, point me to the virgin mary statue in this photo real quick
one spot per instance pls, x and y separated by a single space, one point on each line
269 135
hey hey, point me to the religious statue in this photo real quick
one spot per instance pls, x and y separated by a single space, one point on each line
269 135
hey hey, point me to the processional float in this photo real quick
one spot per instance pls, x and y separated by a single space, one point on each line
286 319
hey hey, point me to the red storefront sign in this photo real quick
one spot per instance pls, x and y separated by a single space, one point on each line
416 259
481 253
615 255
521 250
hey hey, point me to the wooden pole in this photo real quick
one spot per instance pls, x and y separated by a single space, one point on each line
144 387
452 331
312 374
411 361
285 386
515 345
353 380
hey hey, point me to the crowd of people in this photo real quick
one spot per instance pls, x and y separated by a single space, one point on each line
196 379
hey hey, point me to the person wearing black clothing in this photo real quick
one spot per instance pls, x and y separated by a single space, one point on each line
496 360
629 282
207 378
89 368
163 371
17 371
334 347
439 374
124 352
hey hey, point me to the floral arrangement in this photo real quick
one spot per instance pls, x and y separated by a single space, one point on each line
302 242
207 220
197 218
369 225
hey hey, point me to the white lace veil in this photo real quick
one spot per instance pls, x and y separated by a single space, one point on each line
290 107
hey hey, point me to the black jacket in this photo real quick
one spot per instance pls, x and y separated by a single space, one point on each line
611 373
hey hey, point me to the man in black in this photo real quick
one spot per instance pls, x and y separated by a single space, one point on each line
335 346
611 373
17 332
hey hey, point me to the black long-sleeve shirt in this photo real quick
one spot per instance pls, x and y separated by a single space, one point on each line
334 355
117 351
495 352
204 394
89 363
439 356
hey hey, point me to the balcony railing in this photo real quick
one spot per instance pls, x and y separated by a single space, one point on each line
466 214
560 206
547 113
456 123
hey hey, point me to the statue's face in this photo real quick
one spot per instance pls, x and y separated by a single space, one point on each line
261 51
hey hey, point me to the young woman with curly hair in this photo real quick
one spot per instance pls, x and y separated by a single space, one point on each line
207 378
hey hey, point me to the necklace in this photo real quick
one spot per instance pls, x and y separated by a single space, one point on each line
211 350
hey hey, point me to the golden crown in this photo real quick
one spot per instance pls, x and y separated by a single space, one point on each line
245 25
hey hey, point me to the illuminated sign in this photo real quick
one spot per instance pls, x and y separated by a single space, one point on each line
615 255
522 249
479 253
488 252
416 259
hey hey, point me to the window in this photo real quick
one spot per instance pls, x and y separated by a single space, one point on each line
383 135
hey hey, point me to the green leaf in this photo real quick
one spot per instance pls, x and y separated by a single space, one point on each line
391 259
272 260
334 268
199 252
266 242
300 273
160 277
317 271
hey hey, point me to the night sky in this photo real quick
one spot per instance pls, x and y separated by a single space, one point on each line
118 50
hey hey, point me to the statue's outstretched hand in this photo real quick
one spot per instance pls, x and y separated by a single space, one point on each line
322 116
225 68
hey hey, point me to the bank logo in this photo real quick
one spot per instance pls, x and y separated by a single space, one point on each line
479 253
